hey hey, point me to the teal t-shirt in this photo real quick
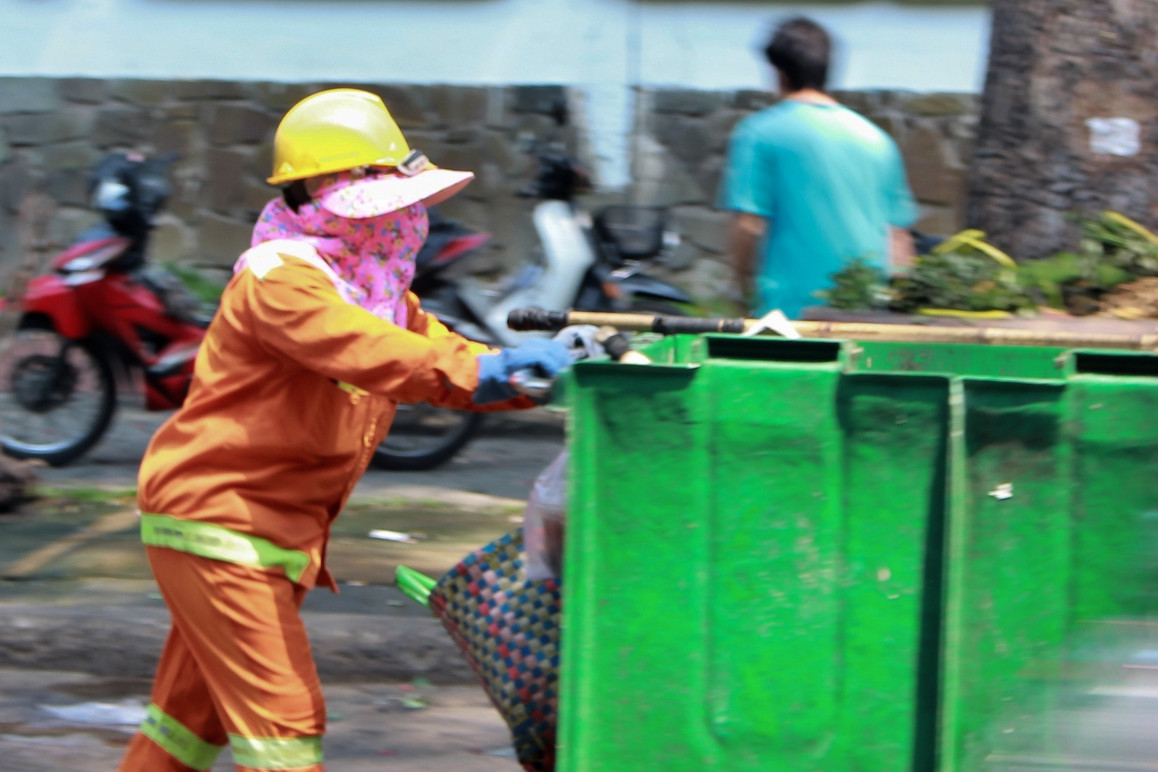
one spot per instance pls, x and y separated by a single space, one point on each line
829 182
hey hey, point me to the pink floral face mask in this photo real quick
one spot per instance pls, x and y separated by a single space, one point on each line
373 257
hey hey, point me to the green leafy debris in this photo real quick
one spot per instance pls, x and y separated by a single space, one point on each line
965 273
861 286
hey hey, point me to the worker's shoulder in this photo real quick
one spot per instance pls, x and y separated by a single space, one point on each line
262 260
285 260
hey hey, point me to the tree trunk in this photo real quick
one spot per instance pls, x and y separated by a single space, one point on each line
1069 121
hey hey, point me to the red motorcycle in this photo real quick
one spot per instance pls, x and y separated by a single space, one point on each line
104 320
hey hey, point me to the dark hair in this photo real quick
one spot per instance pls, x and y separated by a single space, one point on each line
800 49
295 194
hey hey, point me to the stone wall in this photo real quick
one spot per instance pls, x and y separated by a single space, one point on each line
52 131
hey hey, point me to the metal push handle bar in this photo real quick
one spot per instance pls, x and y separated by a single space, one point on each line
540 319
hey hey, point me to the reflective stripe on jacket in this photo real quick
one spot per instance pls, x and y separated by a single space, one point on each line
293 390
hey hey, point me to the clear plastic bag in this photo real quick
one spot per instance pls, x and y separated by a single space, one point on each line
544 520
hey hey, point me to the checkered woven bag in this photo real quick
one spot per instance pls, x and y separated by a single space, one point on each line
508 629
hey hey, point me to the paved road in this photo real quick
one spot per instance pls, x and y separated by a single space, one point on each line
503 460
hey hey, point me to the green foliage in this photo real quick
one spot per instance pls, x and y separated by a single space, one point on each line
206 291
968 274
965 276
1118 242
963 279
861 286
1112 250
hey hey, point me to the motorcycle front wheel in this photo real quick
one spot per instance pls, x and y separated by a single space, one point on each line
423 437
57 397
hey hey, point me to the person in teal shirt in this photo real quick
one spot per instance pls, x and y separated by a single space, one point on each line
812 184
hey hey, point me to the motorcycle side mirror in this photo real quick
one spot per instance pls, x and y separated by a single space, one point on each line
110 195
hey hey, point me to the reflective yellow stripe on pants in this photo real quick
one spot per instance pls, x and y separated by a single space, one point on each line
178 740
219 543
274 753
268 753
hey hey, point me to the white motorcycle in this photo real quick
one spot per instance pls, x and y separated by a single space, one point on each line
583 263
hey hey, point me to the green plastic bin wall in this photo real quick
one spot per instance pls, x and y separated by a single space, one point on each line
825 555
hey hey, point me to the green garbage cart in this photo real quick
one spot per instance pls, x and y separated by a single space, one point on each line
837 556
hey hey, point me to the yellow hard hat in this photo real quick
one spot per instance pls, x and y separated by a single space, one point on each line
333 131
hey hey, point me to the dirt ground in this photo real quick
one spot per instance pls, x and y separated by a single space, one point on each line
1137 299
83 623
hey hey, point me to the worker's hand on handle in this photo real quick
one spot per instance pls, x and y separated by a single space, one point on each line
581 340
539 358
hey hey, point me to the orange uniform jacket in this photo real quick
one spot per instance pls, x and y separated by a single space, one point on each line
293 390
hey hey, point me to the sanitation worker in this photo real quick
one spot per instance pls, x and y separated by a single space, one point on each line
317 340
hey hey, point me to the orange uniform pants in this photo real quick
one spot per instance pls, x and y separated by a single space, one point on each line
236 670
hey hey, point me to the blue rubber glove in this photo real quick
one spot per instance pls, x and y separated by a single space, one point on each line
545 358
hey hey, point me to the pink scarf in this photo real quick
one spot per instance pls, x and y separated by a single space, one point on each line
373 257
